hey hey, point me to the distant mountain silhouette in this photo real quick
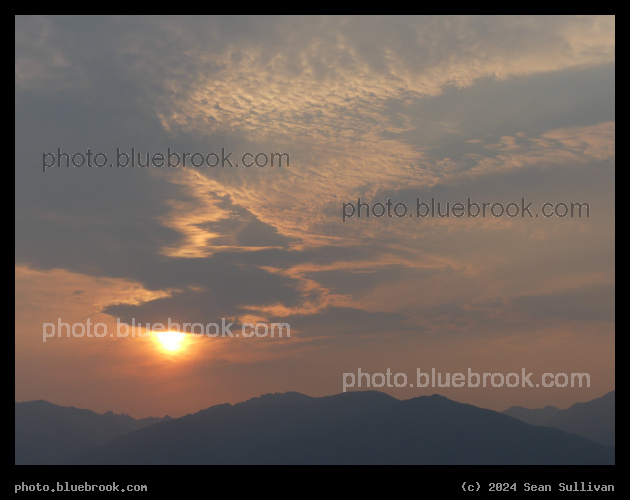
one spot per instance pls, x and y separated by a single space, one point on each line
594 419
349 428
44 432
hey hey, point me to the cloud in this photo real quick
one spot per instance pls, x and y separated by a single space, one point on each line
489 108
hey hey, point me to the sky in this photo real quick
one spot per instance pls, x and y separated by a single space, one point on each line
408 109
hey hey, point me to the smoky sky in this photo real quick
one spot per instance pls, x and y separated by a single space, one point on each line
492 109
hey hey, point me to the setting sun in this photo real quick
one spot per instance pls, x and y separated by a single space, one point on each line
170 341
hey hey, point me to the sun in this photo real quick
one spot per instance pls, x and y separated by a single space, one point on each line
171 342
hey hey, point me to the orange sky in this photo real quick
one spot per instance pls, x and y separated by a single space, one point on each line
495 109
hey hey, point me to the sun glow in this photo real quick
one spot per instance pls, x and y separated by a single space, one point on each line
171 342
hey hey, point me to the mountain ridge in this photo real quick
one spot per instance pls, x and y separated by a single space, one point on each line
594 419
348 428
45 432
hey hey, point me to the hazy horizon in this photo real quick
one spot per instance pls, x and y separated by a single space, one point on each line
297 392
